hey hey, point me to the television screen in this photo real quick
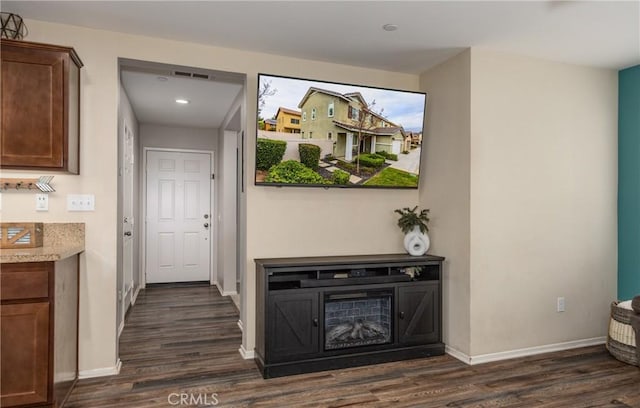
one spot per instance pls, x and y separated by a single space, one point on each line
329 134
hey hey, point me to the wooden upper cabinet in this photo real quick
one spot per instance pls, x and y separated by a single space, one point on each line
40 107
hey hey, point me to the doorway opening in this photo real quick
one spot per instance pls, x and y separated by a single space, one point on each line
177 215
180 149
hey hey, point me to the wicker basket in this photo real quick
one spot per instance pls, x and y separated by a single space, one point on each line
621 341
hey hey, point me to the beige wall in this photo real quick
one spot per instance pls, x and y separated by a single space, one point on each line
98 175
227 214
541 180
278 220
445 178
521 174
178 137
543 201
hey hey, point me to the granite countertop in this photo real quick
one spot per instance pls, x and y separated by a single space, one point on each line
59 241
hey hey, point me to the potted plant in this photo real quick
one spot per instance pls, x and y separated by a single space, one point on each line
415 226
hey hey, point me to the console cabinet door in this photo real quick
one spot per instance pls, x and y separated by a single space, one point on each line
419 313
292 325
25 353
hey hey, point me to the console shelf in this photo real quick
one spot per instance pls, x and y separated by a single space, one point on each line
321 313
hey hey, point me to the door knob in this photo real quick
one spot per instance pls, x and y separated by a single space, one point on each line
128 233
206 225
402 315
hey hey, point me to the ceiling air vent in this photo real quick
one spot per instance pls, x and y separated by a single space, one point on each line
186 74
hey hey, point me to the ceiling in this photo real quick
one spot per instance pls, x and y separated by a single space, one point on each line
153 95
594 33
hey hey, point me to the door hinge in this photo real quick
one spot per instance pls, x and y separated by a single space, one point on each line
213 176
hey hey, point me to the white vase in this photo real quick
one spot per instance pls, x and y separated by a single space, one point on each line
416 242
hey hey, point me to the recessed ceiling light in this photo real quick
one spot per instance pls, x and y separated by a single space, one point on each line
390 27
182 101
163 79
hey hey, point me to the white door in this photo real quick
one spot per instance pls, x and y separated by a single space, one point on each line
127 219
178 214
396 146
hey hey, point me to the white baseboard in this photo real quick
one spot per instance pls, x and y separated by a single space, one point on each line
246 354
101 372
524 352
120 328
457 354
240 325
135 296
223 293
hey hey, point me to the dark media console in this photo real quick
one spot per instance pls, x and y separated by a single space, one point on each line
322 313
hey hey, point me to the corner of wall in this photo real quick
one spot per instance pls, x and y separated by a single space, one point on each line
445 188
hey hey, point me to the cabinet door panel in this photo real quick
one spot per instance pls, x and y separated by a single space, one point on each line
32 109
419 313
24 353
293 326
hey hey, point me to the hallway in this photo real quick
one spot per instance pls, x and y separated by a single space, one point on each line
177 339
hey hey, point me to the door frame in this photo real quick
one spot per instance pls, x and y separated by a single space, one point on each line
128 296
143 213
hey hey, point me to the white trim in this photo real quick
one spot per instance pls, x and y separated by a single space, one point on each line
222 292
101 372
524 352
121 328
240 325
135 296
247 355
143 208
457 354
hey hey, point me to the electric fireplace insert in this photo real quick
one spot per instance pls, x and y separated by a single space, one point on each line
357 319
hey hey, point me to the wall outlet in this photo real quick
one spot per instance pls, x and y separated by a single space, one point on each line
81 202
560 304
42 202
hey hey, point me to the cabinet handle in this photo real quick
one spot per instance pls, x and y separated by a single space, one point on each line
402 315
315 322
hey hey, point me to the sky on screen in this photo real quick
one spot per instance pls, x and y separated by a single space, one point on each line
400 107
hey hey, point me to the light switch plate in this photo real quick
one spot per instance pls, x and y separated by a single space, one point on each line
42 202
81 202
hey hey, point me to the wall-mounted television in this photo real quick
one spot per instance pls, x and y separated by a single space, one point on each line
328 134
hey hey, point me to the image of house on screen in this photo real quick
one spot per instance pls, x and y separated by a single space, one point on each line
329 115
288 120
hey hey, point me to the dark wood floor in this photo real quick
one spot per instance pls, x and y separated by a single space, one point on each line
186 339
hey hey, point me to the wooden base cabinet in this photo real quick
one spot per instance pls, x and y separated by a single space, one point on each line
38 332
25 353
